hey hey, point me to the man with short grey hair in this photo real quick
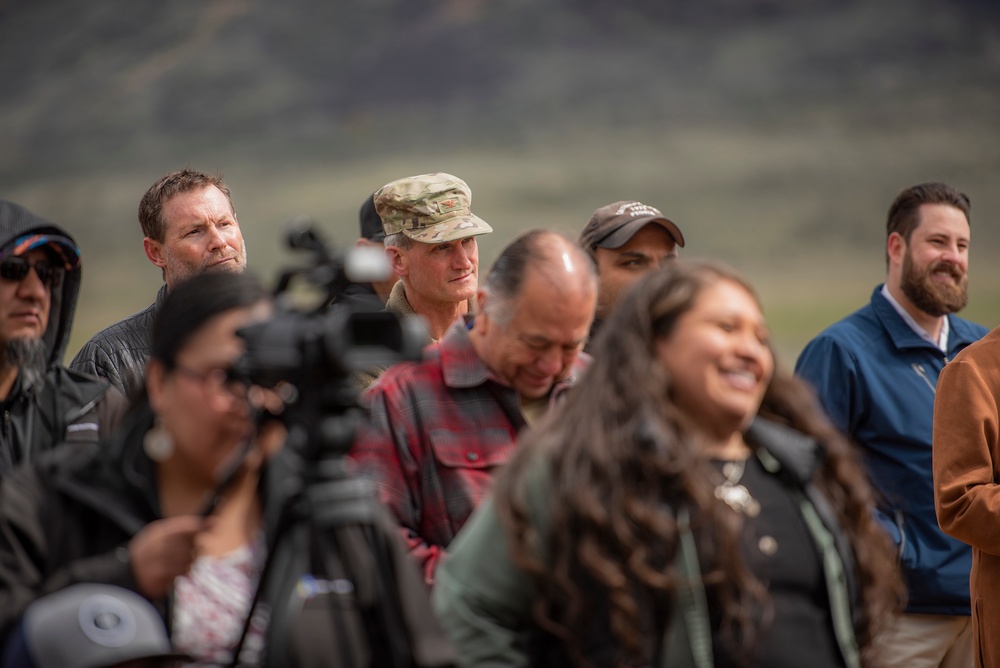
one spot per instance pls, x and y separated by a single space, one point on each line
430 242
441 428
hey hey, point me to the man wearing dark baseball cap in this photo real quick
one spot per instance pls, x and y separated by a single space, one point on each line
627 239
44 404
375 293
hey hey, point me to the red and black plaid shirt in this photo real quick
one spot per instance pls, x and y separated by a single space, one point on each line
438 431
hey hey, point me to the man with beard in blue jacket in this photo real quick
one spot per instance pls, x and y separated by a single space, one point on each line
876 372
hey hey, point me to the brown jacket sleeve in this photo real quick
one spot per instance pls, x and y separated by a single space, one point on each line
966 448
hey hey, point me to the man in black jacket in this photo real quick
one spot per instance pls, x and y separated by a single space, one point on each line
190 226
42 402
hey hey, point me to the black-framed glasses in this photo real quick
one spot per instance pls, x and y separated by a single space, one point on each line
16 269
217 380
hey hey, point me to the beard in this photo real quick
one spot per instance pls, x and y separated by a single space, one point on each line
934 297
182 270
28 355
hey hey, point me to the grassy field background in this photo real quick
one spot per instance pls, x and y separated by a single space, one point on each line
774 133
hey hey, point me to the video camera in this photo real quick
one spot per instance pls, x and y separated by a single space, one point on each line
337 582
311 355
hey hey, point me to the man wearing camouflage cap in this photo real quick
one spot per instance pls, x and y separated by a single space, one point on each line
627 239
430 242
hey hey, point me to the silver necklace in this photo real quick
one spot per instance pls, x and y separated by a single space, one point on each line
732 493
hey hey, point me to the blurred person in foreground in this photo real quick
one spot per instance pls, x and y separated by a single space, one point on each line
430 241
42 402
627 240
876 373
136 513
688 505
966 470
441 428
130 514
190 226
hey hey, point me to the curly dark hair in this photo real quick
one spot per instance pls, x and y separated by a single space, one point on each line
623 459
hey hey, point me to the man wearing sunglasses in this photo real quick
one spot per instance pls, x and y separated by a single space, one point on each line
626 240
42 402
190 226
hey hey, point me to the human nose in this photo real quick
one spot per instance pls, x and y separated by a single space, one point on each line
955 254
750 345
550 362
463 259
31 286
216 239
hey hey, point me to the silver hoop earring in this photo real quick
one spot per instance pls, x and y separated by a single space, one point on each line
157 443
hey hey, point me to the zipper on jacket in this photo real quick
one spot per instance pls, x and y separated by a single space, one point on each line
922 372
898 515
5 439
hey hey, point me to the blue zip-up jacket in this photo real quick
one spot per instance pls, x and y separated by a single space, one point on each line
876 378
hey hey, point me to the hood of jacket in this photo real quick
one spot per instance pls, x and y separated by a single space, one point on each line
16 221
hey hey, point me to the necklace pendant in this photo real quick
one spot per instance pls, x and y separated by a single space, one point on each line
738 498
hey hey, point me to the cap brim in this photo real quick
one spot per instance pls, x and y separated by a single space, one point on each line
61 246
469 225
621 236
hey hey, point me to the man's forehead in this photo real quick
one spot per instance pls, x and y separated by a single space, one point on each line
536 316
198 202
936 227
428 248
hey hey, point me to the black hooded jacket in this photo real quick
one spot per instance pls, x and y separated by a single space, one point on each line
61 405
119 353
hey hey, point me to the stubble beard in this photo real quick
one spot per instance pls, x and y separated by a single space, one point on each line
182 271
933 297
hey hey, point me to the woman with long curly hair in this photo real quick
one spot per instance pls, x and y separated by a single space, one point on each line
688 505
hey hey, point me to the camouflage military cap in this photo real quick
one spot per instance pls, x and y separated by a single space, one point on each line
429 208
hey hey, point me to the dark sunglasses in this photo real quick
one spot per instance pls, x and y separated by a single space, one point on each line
16 269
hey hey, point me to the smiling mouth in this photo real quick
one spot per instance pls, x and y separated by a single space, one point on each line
944 276
742 378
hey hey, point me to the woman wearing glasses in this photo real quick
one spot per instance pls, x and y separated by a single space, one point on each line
133 513
688 505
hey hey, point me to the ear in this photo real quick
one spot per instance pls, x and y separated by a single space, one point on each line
895 248
398 260
154 251
481 323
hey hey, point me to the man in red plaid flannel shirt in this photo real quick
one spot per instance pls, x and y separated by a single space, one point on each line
441 428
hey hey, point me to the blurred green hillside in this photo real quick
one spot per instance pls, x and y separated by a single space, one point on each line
775 133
